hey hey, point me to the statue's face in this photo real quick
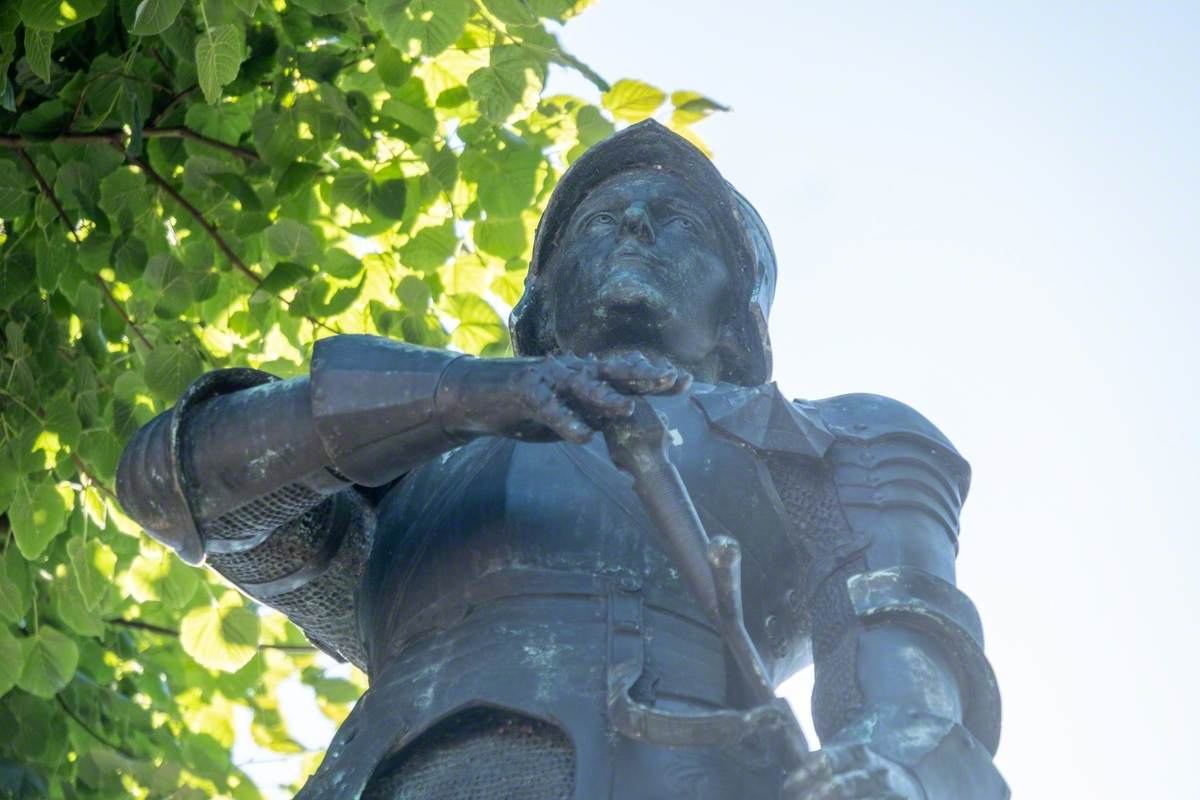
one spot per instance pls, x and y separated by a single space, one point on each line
639 267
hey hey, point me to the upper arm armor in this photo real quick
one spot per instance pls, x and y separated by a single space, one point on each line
899 480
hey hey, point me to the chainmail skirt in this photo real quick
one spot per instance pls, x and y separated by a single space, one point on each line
480 754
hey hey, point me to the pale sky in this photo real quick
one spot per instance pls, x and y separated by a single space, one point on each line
992 213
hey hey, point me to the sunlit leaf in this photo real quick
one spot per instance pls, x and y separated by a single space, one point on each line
221 637
633 100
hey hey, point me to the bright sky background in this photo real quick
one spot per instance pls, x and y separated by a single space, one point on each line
992 212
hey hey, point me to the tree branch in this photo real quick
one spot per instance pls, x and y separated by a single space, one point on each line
194 212
117 137
180 132
62 214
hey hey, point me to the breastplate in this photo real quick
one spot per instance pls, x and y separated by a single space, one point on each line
507 575
496 513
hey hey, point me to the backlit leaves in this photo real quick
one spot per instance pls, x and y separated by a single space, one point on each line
222 636
201 185
420 27
632 100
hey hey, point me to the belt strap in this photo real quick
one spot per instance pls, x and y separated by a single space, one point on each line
637 720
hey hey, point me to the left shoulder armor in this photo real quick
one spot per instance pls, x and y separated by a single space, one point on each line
887 456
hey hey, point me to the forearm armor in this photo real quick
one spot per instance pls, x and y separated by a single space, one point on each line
257 474
898 647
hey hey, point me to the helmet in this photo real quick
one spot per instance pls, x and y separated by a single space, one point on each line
745 349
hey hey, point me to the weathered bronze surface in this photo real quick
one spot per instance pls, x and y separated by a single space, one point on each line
538 621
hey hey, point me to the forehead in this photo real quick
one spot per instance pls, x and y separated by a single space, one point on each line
647 185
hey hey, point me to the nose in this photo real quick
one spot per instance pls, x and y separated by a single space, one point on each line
636 222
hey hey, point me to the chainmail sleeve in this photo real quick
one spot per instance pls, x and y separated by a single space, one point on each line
302 554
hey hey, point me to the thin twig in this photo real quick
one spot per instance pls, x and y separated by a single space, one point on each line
62 214
173 102
152 628
94 480
127 753
195 214
121 310
46 190
117 137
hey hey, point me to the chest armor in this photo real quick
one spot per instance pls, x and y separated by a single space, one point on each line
508 575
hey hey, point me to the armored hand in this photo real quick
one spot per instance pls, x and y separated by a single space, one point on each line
548 398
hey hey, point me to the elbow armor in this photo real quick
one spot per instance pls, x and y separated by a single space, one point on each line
150 479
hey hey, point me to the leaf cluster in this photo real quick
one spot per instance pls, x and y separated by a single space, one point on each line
194 184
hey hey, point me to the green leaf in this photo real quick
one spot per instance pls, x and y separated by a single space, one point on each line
93 564
297 176
221 637
430 247
238 187
478 323
38 45
123 192
504 238
50 660
14 586
54 15
155 16
101 451
511 85
506 178
284 275
170 369
512 12
293 241
72 610
225 122
390 197
38 516
691 107
14 194
12 660
325 7
180 583
420 27
632 100
218 58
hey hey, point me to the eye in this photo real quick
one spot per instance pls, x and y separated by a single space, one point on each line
602 218
687 223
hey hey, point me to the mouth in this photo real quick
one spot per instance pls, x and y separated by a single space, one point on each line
627 287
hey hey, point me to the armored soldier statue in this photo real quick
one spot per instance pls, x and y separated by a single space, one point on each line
452 526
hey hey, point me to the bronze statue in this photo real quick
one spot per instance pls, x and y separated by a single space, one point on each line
536 624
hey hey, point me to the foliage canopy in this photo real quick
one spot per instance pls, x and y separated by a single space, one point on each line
192 184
